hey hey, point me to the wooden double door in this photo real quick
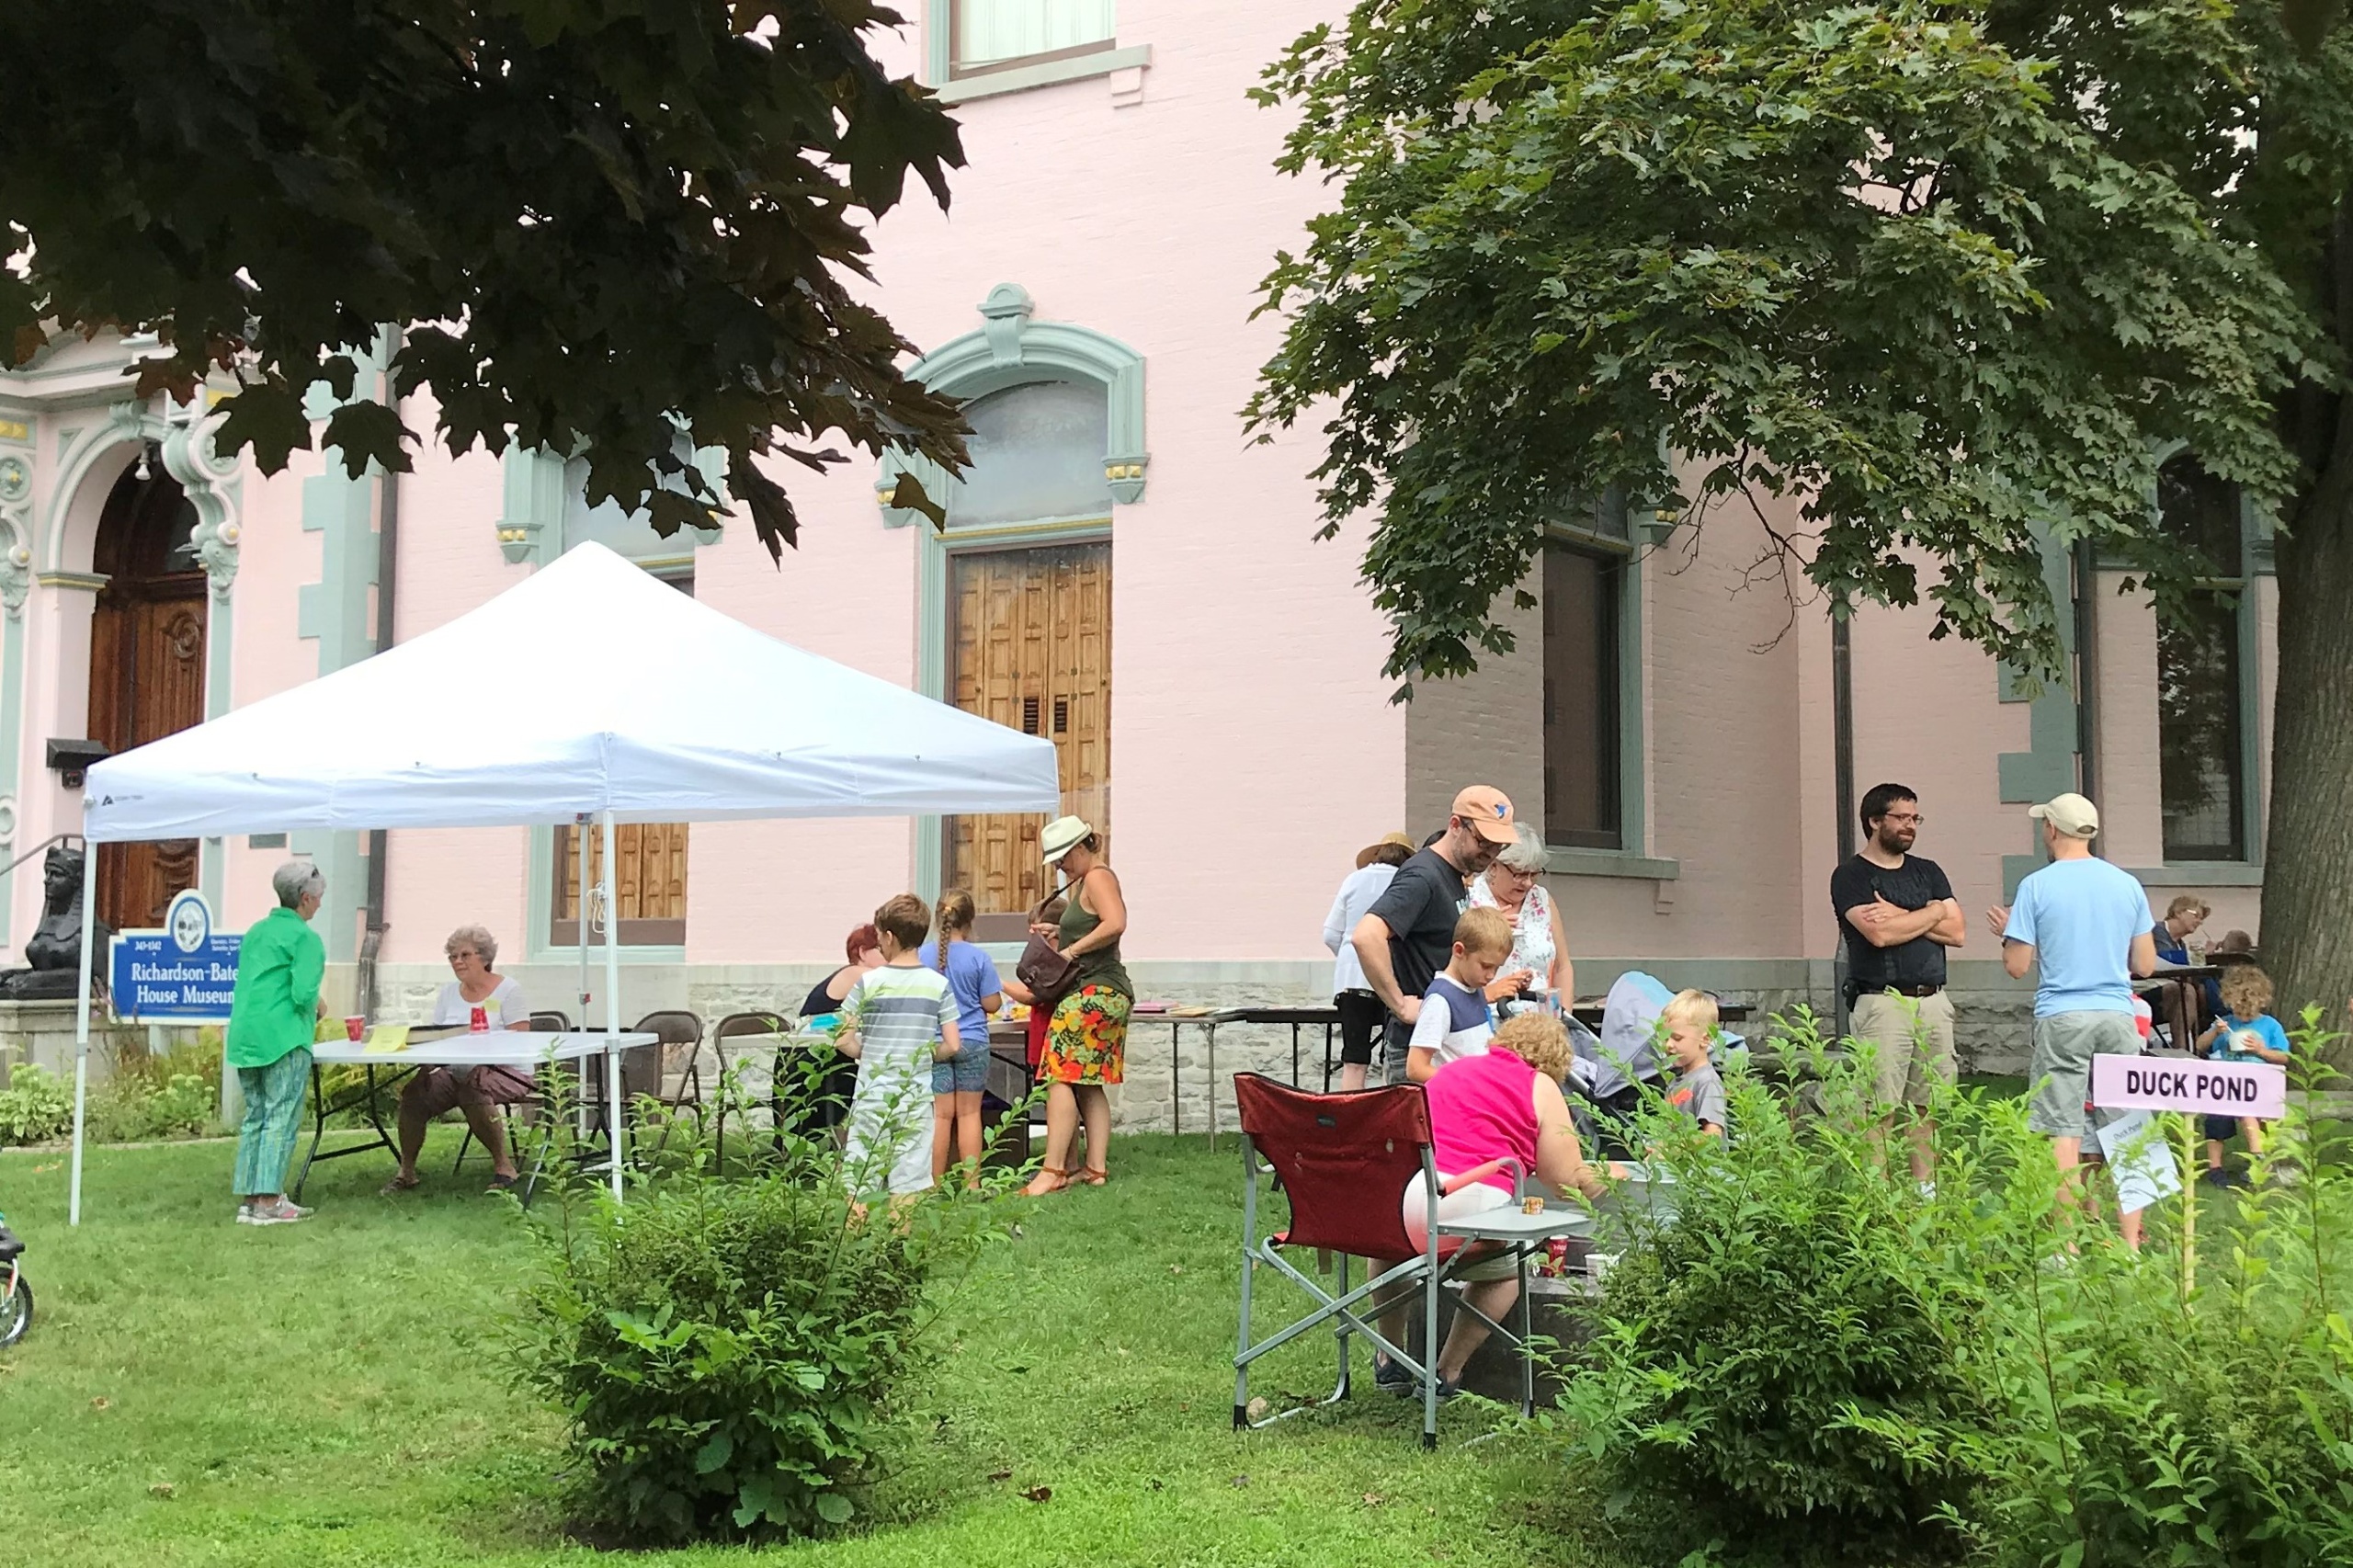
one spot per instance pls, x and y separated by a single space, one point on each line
1029 646
147 636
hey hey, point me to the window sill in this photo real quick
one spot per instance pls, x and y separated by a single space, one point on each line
2201 874
1564 860
1044 74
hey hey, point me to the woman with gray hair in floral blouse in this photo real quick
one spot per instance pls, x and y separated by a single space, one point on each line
473 1090
1537 973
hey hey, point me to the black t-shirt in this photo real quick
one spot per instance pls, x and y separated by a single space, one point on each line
1914 884
1420 906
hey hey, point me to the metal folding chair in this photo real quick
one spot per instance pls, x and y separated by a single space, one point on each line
737 1025
1339 1158
677 1054
541 1023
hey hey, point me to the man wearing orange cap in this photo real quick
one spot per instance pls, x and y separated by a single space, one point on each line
1408 934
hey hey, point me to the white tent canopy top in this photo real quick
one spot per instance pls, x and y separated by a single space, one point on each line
606 690
610 694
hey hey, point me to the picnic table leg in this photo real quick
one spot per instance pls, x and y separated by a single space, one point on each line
318 1127
1526 1330
1212 1085
1175 1094
1327 1058
373 1119
1295 1053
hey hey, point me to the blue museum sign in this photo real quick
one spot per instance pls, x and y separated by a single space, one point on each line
181 974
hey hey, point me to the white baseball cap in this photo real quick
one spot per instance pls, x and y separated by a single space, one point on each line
2070 813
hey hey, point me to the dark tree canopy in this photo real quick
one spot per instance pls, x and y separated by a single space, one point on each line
603 222
1952 277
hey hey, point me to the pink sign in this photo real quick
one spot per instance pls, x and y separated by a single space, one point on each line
2172 1083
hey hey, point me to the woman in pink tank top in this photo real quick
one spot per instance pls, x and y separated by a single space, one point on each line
1505 1105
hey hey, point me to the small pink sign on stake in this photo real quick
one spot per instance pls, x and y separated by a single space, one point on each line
2258 1089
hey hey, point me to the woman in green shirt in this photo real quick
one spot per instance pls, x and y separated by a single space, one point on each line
272 1020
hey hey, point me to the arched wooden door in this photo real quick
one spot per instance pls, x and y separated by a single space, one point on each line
146 669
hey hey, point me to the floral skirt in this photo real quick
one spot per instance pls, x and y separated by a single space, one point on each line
1086 1043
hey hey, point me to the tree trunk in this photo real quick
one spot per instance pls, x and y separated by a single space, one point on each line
2307 937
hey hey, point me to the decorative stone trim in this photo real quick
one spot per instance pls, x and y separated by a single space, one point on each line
85 581
1009 349
15 535
210 482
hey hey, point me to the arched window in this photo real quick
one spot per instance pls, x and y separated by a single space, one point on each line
1016 602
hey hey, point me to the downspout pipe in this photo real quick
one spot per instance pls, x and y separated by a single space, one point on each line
387 576
1842 729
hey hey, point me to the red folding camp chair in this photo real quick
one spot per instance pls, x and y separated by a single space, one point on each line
1343 1161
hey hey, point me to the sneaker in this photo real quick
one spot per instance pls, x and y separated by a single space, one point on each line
246 1213
1928 1191
1446 1388
280 1212
1391 1376
2215 1176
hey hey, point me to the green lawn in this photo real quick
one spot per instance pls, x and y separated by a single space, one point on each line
195 1391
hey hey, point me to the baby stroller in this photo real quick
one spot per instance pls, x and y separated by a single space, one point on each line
16 1299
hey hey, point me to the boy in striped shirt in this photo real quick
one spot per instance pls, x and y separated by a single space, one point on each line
902 1018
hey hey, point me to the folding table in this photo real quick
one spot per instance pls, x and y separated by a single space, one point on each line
495 1048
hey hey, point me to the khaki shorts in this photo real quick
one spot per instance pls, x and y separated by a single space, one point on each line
2064 1044
1911 1061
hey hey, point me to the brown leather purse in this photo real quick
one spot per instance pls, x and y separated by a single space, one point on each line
1043 970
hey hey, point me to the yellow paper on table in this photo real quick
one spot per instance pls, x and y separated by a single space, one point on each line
388 1036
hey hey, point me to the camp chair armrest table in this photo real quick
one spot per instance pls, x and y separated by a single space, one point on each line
1330 1152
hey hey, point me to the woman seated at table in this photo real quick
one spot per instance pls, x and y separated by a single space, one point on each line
473 1090
1505 1104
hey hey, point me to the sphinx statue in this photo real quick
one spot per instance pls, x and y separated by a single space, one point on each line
53 956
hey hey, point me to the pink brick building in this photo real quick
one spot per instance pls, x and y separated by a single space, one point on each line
1124 573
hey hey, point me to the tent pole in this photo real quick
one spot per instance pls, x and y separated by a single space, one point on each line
82 1023
613 1001
580 855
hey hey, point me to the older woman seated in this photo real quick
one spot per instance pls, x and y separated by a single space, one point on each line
1505 1104
474 1090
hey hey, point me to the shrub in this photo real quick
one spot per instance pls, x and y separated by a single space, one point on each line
728 1357
1791 1354
2148 1421
35 1107
175 1094
1816 1360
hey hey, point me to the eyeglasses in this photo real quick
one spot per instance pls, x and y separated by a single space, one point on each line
1906 819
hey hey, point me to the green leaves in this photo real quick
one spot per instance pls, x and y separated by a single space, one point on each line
1935 278
603 221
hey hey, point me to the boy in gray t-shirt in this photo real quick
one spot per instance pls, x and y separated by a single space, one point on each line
1690 1023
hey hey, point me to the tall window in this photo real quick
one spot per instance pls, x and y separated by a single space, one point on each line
1028 625
993 35
1582 587
2200 736
650 883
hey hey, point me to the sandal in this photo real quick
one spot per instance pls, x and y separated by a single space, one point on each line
1093 1175
503 1183
399 1184
1048 1180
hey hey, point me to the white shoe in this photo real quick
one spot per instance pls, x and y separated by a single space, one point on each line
280 1212
1929 1189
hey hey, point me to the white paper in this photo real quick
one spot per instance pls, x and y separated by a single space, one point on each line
2140 1160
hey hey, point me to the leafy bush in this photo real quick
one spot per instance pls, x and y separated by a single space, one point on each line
172 1095
728 1357
2147 1420
1790 1354
1816 1359
35 1107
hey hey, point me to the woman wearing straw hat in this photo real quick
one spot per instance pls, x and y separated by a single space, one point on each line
1086 1041
1361 1014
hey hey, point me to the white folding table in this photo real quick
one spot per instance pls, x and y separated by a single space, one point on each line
494 1047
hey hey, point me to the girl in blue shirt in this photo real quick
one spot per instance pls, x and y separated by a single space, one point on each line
2249 1034
957 1082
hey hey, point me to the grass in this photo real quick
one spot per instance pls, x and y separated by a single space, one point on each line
195 1391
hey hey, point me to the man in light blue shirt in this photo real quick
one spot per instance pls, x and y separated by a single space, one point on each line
2084 925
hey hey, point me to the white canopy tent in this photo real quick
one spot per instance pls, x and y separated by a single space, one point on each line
629 701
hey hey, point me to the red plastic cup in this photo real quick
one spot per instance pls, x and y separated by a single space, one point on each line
354 1027
479 1023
